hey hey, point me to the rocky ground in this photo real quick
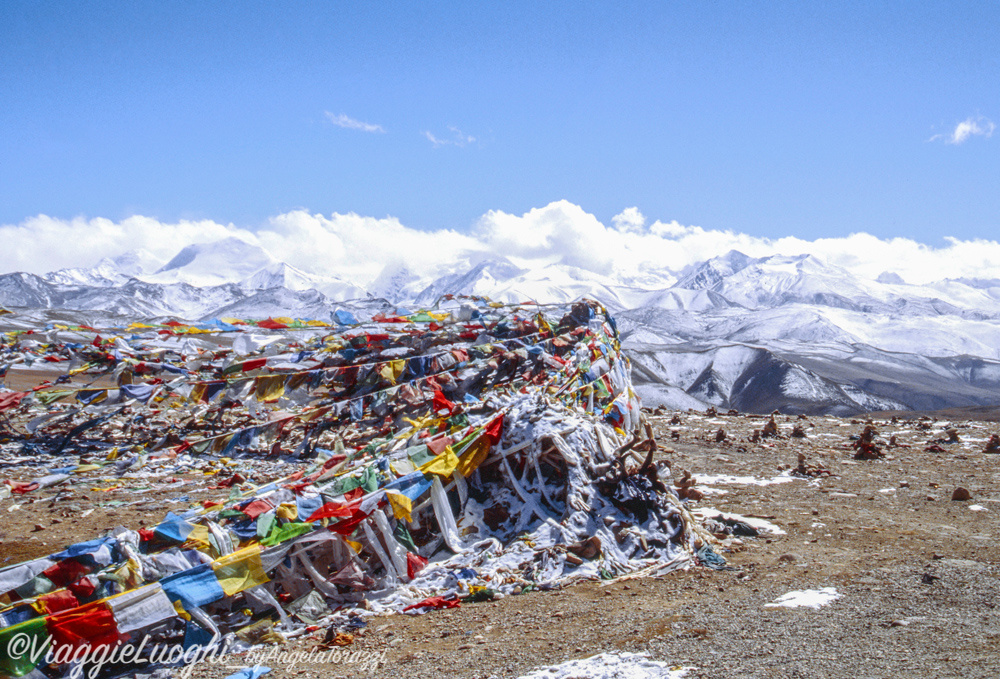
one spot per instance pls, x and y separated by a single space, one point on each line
917 573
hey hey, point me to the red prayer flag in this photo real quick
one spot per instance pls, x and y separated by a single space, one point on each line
11 399
414 564
91 624
434 603
441 403
494 430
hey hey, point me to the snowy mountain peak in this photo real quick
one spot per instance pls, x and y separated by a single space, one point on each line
131 263
281 275
890 278
710 273
222 261
397 281
109 271
482 279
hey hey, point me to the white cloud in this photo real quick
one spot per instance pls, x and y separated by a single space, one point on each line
356 247
345 121
970 127
630 220
458 138
560 232
43 243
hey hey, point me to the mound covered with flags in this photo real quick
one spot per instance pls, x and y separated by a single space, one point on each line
465 452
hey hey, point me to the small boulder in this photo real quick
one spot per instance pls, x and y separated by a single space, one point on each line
993 445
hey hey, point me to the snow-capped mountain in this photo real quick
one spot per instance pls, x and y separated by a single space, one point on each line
793 333
109 271
205 264
281 275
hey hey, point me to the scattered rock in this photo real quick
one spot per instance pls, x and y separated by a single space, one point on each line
865 445
993 445
961 494
811 470
586 549
686 489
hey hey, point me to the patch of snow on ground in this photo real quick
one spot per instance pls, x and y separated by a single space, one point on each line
610 666
807 598
713 479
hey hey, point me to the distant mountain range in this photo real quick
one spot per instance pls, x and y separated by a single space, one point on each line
789 333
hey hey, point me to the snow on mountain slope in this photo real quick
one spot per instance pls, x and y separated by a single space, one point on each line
682 299
486 277
776 280
305 304
109 271
503 281
809 356
140 299
27 290
709 274
749 379
398 282
309 304
206 264
281 275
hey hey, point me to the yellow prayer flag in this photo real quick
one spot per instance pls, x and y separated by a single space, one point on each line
270 388
402 506
240 570
386 373
198 537
442 465
287 510
474 456
198 391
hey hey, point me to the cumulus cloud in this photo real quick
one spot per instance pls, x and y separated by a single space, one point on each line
970 127
457 138
357 248
560 233
42 243
630 220
347 122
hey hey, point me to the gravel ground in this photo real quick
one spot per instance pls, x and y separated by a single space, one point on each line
917 573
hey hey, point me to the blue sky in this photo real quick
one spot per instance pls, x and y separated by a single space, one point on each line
771 119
